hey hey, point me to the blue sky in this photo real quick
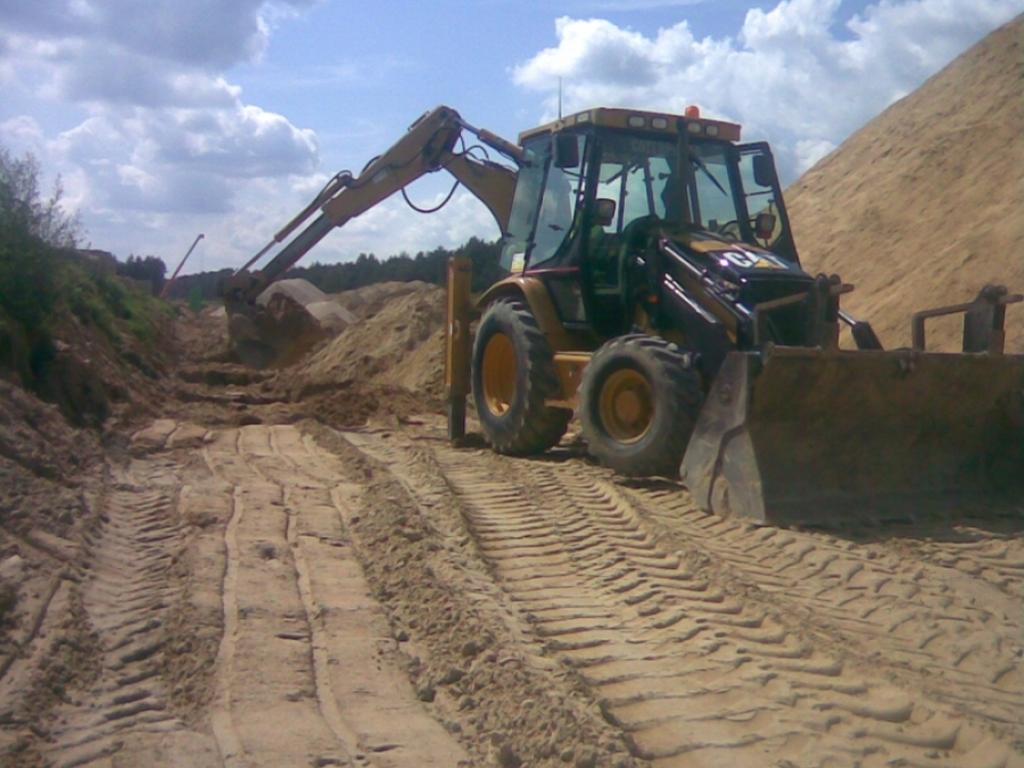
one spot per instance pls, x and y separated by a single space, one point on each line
173 117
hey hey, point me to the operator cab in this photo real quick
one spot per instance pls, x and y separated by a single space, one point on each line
599 185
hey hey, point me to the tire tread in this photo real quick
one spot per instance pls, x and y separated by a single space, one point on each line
537 426
674 381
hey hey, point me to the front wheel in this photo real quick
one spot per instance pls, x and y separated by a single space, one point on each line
639 399
513 377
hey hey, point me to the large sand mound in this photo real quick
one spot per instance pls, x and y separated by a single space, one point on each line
395 347
925 204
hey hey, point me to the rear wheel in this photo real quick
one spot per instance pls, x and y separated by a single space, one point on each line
639 400
513 376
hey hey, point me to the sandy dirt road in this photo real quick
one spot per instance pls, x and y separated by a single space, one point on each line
236 538
712 643
290 595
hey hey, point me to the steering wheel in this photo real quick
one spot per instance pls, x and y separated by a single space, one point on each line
636 232
734 226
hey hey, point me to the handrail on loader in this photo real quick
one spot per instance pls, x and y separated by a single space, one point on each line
984 320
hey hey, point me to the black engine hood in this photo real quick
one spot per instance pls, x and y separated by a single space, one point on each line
739 263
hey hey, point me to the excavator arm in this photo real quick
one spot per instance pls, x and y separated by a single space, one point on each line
432 143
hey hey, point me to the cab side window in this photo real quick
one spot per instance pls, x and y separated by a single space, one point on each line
759 191
562 191
524 206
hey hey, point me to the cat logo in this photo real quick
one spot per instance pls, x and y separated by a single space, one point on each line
751 260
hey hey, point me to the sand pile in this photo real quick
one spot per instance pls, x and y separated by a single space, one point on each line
925 204
388 362
370 300
203 336
393 353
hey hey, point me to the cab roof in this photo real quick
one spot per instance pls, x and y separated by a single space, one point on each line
639 120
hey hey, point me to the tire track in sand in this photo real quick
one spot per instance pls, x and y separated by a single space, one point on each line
125 595
301 675
957 633
220 712
268 711
694 666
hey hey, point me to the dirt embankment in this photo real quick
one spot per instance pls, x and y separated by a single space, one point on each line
386 364
924 205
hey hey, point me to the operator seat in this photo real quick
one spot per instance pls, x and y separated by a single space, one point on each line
604 254
603 248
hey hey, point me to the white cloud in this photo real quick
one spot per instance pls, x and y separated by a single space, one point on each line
243 142
119 78
639 5
22 133
608 54
165 136
202 33
180 161
786 76
164 146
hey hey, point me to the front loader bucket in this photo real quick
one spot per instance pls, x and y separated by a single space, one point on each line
809 436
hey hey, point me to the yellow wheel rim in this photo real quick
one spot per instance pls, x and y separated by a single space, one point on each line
626 405
499 373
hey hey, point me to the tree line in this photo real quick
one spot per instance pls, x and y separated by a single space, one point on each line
147 269
366 269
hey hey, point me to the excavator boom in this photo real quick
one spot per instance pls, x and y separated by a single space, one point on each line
429 145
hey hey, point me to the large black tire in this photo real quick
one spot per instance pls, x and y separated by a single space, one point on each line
638 403
513 376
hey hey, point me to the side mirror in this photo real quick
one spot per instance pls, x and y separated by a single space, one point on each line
764 225
764 170
605 211
567 151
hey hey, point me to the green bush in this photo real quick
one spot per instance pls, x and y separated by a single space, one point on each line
44 283
32 232
27 267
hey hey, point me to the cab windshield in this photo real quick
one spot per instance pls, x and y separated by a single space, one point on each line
642 176
638 175
712 197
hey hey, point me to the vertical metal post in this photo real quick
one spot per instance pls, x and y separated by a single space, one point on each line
457 344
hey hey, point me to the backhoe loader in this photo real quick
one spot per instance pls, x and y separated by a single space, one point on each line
654 289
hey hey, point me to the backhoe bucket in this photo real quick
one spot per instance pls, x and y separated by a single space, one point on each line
272 336
807 436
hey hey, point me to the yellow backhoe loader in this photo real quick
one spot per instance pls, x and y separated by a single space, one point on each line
655 290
